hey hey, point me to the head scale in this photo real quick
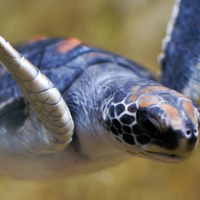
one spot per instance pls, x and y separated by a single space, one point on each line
153 121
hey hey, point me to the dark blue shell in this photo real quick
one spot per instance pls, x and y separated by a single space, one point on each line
63 68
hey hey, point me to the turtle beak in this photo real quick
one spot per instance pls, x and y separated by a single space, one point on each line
189 143
186 146
192 141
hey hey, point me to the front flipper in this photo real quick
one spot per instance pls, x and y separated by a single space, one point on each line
49 127
180 60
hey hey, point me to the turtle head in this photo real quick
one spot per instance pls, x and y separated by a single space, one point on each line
153 122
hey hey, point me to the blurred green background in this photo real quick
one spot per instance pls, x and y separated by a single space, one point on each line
134 29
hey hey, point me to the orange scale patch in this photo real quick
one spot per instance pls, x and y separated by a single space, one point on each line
37 38
173 114
189 110
150 89
67 45
148 101
134 89
134 97
179 95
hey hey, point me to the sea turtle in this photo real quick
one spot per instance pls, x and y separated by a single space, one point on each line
99 108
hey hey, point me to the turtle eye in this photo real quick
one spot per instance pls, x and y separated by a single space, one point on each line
147 123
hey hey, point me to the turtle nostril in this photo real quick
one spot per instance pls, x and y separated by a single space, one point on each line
192 137
191 132
188 133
